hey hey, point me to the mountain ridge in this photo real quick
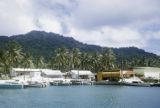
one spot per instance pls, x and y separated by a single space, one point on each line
44 43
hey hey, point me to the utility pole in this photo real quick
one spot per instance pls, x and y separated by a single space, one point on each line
121 70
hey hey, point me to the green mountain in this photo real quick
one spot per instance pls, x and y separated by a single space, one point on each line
44 43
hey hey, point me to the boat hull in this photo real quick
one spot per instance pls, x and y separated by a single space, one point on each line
11 86
155 85
138 84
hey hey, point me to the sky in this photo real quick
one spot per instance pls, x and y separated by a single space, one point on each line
110 23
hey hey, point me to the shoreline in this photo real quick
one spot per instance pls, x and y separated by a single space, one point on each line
128 84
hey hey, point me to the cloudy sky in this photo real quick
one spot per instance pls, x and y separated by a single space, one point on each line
112 23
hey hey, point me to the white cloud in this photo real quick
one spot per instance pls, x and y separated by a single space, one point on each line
112 37
49 25
114 23
97 13
14 17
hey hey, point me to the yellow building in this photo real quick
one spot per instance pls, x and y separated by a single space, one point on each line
108 75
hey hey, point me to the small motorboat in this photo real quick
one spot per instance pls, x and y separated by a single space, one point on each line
11 85
35 84
135 81
60 83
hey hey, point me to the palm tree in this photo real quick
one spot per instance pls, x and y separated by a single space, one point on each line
39 62
143 61
75 58
4 61
27 61
14 53
84 59
61 59
90 62
52 63
108 60
96 63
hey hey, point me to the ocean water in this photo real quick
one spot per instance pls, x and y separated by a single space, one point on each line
81 97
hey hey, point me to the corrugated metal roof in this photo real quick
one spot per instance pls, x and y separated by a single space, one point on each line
51 72
146 68
82 72
45 71
25 70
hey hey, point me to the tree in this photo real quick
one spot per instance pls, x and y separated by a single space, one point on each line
4 61
89 62
61 59
11 56
108 60
75 58
39 62
14 53
96 62
84 60
27 61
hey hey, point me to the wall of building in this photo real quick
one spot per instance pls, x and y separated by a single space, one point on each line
139 71
148 72
154 75
108 76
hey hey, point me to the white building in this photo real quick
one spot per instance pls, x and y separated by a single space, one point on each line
21 71
26 74
148 72
82 74
36 74
48 73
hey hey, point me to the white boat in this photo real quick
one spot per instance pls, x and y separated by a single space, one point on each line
76 82
31 81
35 84
63 82
11 85
132 80
135 81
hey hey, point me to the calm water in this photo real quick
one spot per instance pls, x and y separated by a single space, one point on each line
81 97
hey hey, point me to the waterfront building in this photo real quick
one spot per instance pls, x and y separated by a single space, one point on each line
36 74
25 74
109 75
48 73
23 71
128 73
51 75
82 74
147 72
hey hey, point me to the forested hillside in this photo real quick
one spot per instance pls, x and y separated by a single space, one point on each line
42 44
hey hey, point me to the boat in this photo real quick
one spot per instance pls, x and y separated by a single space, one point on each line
137 84
76 82
60 83
35 84
135 81
11 85
87 82
155 85
28 81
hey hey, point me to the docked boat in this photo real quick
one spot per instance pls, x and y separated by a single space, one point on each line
155 85
138 84
35 84
76 82
29 81
60 83
11 85
135 81
86 82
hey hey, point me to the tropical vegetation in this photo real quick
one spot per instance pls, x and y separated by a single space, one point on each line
48 50
64 59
